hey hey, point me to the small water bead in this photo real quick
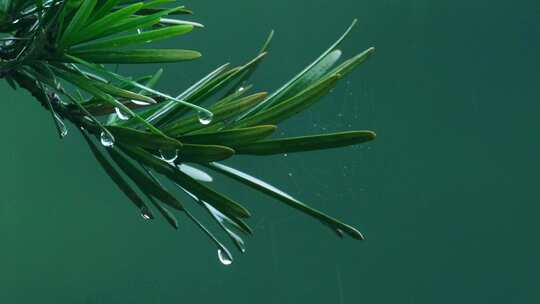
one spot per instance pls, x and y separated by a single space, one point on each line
145 213
238 240
62 129
169 155
122 115
107 139
225 257
205 117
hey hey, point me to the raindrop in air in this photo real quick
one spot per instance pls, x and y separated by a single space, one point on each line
169 155
107 140
121 115
224 257
205 117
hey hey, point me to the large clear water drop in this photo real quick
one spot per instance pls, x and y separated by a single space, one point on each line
107 139
225 257
205 117
169 155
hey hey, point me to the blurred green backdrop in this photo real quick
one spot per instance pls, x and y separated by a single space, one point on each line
447 196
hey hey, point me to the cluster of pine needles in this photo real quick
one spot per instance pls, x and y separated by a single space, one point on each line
62 52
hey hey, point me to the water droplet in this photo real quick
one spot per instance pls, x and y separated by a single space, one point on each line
290 174
107 139
241 89
205 117
139 31
121 115
169 155
224 257
238 240
62 130
145 213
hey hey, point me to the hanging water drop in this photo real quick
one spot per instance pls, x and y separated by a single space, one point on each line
121 115
62 128
60 125
169 155
225 257
145 213
242 246
237 240
205 117
107 139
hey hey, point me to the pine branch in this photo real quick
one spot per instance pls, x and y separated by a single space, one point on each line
57 49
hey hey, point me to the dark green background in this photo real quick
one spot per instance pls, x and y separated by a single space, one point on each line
447 196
